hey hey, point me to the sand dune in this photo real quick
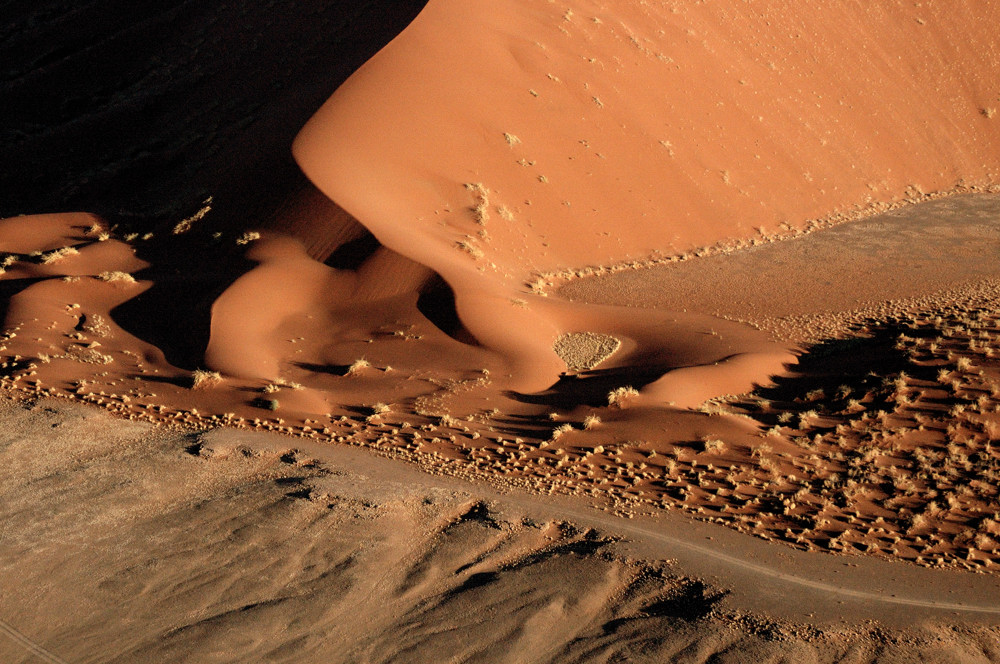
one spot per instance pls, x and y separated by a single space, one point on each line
608 137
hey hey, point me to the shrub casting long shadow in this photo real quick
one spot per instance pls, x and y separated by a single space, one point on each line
590 388
861 363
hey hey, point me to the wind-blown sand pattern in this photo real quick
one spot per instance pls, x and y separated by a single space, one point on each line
632 255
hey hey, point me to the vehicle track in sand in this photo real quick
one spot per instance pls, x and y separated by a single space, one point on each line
838 588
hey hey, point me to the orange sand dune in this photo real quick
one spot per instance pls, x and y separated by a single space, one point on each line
595 135
489 144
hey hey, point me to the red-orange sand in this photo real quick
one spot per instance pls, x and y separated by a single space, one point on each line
489 145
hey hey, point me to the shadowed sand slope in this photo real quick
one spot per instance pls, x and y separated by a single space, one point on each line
140 109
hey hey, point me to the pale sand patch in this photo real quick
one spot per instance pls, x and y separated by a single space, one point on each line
582 351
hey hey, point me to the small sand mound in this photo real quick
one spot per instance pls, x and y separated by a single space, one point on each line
585 350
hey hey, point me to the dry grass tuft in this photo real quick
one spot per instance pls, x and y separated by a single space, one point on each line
116 276
470 249
248 237
201 379
561 431
185 225
58 255
481 210
621 395
713 445
357 367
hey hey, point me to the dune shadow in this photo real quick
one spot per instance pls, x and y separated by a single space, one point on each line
329 369
591 388
352 254
9 288
437 304
175 313
179 381
831 373
835 362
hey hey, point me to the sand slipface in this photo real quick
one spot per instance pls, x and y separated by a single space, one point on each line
405 300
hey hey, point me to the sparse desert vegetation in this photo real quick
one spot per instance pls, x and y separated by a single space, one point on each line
201 379
116 276
358 367
620 396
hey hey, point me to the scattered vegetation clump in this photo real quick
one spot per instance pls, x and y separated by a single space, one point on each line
185 225
713 445
357 367
116 276
201 378
561 430
621 395
58 255
248 237
481 195
902 414
469 248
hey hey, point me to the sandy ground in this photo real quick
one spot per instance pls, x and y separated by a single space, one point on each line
126 543
914 257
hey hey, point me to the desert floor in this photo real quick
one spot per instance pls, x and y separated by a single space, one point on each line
232 546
